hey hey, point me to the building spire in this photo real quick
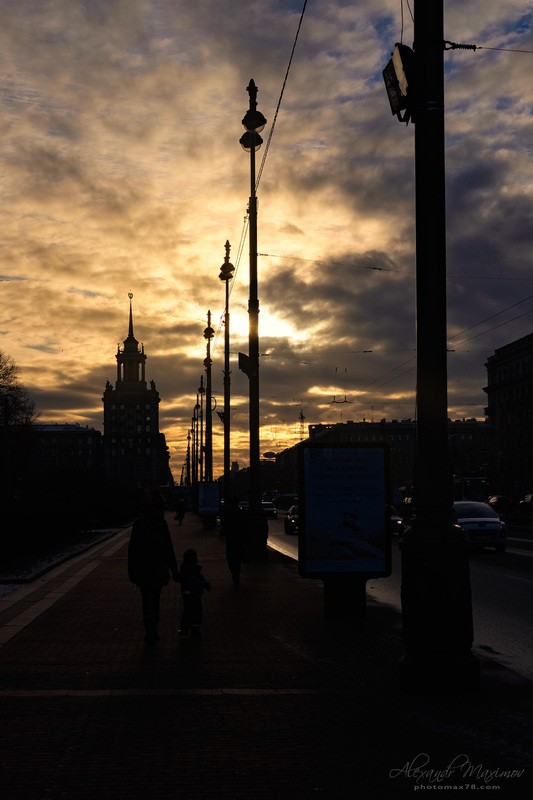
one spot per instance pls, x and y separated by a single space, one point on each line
130 331
131 344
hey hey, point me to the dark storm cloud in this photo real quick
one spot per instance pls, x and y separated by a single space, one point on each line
122 172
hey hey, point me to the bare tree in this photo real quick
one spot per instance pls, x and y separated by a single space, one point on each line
16 404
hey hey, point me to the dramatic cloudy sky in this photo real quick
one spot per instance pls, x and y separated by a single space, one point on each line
121 171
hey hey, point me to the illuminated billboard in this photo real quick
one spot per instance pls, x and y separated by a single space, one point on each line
344 510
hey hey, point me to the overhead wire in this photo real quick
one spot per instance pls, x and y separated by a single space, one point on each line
487 319
265 154
448 45
377 382
267 146
392 269
497 326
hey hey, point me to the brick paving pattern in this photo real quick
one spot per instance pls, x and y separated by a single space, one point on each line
273 701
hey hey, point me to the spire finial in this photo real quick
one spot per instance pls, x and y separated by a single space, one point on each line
252 91
130 332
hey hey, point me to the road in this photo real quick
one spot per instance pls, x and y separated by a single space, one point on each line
502 596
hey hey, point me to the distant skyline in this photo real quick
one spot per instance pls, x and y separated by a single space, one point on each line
121 171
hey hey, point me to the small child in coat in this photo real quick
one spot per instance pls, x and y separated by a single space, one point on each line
193 584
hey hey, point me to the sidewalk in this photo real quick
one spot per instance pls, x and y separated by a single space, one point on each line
273 701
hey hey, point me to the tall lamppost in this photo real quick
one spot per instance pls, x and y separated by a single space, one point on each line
226 274
194 454
201 392
194 430
188 461
254 122
208 335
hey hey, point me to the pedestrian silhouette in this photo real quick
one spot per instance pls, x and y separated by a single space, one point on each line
233 525
180 511
151 560
193 584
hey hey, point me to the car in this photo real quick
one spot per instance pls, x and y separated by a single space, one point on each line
396 522
481 524
502 505
285 501
406 508
524 512
290 522
270 509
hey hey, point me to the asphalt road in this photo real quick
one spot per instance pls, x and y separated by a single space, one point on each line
502 595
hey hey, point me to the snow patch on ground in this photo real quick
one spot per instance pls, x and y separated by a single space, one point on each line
34 568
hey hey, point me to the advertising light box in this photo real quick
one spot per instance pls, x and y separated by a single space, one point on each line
344 510
208 498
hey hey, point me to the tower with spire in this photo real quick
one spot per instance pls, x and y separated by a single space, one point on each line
135 452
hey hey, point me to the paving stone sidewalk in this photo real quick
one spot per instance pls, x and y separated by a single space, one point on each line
273 701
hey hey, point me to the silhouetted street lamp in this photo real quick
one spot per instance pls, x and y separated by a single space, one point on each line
208 335
195 422
226 274
201 392
194 452
254 122
188 461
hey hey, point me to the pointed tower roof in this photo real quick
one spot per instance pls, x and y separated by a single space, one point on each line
131 344
131 359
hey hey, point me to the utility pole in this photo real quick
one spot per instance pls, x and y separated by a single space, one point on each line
436 595
208 335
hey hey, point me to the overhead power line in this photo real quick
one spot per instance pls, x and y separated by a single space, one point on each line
497 314
244 230
267 146
497 326
393 269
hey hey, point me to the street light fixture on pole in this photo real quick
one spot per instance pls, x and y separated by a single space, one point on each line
208 335
254 122
226 274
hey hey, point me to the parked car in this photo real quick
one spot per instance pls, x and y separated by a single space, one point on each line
270 509
524 512
502 505
396 522
291 520
406 508
285 501
481 524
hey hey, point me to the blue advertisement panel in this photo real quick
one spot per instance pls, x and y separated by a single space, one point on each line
208 498
344 510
